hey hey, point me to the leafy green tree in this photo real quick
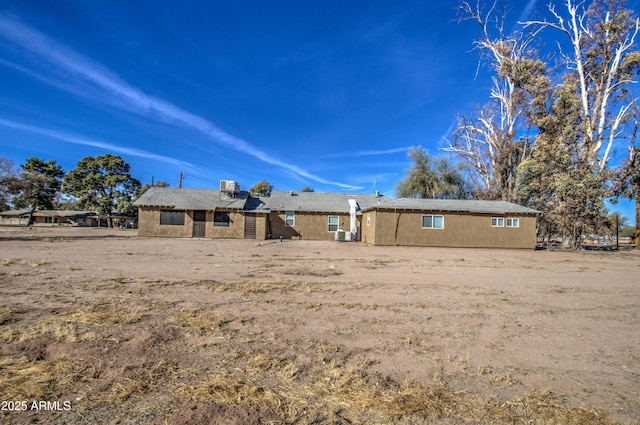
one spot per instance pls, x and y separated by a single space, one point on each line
558 180
307 189
262 188
148 186
102 183
38 185
431 178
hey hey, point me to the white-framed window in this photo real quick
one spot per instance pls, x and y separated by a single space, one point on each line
334 221
433 222
497 222
289 218
513 222
368 219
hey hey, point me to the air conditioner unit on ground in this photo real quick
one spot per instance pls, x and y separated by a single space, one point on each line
340 235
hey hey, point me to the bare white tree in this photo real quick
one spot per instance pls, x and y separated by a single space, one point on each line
602 39
490 141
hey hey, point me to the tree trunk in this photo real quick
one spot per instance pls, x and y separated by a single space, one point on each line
571 240
637 223
30 221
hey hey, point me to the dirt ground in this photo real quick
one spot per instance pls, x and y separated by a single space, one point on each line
100 326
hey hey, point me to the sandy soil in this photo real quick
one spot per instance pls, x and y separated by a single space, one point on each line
100 326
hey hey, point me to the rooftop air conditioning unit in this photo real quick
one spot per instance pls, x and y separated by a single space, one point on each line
229 186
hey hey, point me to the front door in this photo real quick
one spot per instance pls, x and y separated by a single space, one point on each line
199 223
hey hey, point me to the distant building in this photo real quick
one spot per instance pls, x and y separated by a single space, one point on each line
50 218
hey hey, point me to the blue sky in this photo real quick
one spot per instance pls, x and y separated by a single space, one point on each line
326 94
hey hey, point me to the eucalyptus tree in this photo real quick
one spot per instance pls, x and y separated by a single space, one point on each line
590 114
429 177
493 140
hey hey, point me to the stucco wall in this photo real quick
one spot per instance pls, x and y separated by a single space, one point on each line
460 230
149 224
368 231
235 230
307 225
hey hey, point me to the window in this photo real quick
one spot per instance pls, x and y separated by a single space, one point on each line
171 218
497 222
433 222
513 222
333 223
221 218
289 218
368 219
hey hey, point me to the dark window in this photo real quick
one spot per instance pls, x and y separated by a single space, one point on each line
171 218
221 218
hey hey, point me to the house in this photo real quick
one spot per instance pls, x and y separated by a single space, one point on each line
49 218
198 213
450 223
375 219
232 213
316 215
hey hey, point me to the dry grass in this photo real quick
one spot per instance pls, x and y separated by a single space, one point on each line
75 326
13 261
60 329
36 380
106 313
140 381
317 392
307 271
200 323
5 314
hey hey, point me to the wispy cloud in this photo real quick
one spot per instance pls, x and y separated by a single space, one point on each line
79 140
73 72
369 152
526 12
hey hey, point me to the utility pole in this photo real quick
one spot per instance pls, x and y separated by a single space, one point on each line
180 184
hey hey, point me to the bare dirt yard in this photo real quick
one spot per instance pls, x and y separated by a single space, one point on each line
103 327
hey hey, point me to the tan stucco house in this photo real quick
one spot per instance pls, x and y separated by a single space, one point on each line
172 212
450 223
374 219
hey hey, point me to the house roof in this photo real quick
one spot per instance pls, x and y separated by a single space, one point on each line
208 199
317 201
48 213
456 205
190 199
14 213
